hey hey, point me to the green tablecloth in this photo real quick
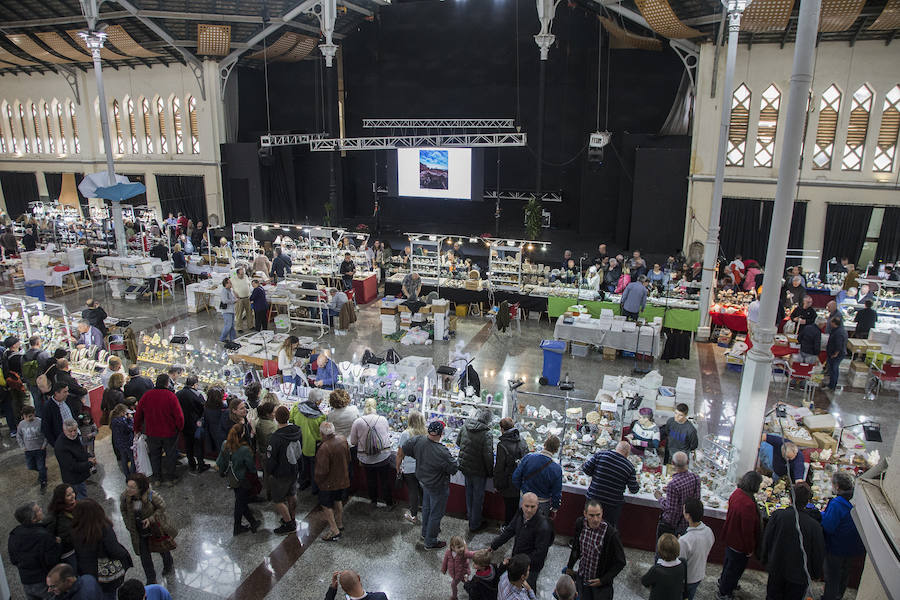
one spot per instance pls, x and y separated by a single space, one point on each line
675 318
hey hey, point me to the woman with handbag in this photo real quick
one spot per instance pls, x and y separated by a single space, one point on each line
97 550
144 513
236 465
227 300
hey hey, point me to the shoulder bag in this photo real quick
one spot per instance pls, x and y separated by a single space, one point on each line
536 471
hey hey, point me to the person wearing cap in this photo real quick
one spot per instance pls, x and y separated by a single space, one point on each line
434 466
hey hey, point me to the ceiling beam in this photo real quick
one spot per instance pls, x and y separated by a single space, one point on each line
70 20
616 7
310 29
356 8
228 62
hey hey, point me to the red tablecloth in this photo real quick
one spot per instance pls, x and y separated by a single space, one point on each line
734 322
94 399
366 289
780 351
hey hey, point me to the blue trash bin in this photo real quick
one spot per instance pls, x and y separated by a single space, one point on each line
553 353
35 289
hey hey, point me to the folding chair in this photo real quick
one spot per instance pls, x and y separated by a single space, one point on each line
801 372
882 374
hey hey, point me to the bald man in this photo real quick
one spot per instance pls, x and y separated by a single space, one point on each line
352 586
611 472
533 536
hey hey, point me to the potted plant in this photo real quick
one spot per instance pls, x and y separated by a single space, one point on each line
533 219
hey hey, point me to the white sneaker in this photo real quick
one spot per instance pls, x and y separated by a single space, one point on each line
410 518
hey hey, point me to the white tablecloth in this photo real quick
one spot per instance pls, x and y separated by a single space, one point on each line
645 340
49 276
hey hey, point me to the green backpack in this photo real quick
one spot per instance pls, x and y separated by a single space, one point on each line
30 371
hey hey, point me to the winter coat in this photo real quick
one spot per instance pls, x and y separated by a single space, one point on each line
332 461
137 386
214 419
781 546
241 462
457 567
510 450
159 410
476 446
742 524
60 526
612 555
51 420
191 403
74 467
484 587
153 507
307 416
841 536
111 397
122 434
34 551
88 555
277 464
532 537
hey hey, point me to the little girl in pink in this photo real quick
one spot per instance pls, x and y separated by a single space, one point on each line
456 563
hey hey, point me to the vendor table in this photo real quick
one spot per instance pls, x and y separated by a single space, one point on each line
686 319
644 340
732 321
56 278
365 290
93 400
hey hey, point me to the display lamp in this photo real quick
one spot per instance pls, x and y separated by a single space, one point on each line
871 431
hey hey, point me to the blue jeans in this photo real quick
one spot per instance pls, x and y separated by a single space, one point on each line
126 462
80 490
327 314
732 569
36 460
434 504
228 332
691 589
474 499
834 371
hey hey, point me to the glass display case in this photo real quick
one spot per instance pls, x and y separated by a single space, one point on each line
505 264
426 256
52 322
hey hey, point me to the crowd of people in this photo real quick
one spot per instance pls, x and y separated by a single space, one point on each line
267 452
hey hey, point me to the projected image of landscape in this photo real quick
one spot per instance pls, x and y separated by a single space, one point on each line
433 171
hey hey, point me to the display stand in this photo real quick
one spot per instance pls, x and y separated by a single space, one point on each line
425 258
505 264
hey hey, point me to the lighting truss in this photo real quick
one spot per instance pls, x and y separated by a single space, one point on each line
292 139
545 196
438 123
465 140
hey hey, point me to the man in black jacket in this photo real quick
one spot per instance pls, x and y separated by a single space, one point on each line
533 536
804 314
64 376
281 265
510 450
282 472
137 384
74 461
835 350
810 338
95 315
191 402
60 407
865 320
600 551
33 550
476 461
782 551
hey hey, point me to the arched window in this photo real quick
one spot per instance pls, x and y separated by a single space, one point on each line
148 133
192 121
737 127
768 124
76 143
13 145
176 123
857 128
26 143
2 139
829 109
161 116
63 144
48 123
35 122
132 127
117 119
886 148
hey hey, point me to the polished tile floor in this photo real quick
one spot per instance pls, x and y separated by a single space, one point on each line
377 542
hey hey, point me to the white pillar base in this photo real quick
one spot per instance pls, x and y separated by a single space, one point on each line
751 407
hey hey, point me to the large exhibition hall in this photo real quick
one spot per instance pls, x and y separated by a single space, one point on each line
467 299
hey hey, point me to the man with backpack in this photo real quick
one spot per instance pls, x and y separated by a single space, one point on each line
370 434
307 416
283 458
539 473
35 362
476 461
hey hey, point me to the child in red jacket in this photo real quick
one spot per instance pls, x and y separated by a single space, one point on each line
456 563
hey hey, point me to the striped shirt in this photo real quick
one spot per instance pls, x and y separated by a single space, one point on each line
610 472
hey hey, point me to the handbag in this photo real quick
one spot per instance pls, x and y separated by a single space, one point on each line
109 569
159 541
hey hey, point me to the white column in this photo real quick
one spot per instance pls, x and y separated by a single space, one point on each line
814 232
711 250
758 366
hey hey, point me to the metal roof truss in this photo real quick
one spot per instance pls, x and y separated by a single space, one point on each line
438 123
465 140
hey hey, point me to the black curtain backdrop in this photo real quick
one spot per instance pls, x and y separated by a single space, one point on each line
18 190
739 231
889 238
279 197
845 231
184 193
140 199
746 224
54 184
